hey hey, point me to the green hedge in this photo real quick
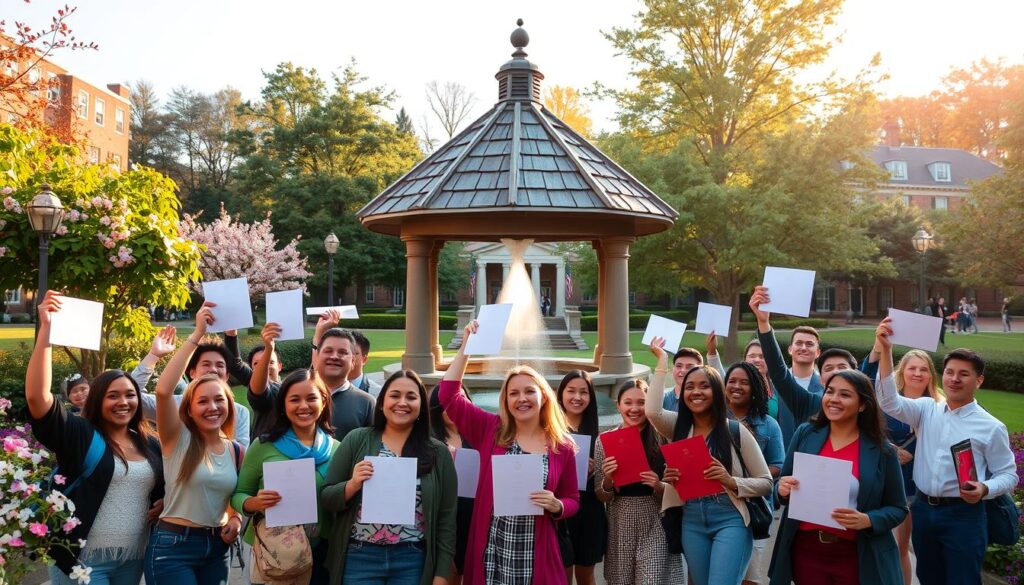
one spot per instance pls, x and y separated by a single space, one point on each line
388 321
639 321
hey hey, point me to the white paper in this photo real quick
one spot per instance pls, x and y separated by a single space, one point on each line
467 468
515 478
347 311
824 486
582 459
790 289
234 308
492 320
285 309
79 323
915 330
389 497
671 330
295 482
711 317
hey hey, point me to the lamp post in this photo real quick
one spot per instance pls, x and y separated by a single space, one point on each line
922 240
331 245
45 214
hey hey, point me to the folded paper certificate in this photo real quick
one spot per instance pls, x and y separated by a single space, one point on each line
295 482
515 478
347 311
467 469
824 486
389 497
627 448
691 457
79 323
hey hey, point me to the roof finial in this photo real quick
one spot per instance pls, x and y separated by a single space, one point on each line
519 39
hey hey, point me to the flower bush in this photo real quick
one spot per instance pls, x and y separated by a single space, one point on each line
1008 561
33 518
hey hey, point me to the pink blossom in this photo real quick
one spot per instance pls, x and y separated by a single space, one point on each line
109 243
74 215
13 444
38 528
71 524
16 542
85 216
105 220
97 201
4 403
62 230
3 251
7 191
59 479
11 205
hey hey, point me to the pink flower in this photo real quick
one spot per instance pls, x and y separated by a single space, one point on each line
7 191
105 220
16 542
74 215
38 528
71 524
62 230
109 243
59 479
3 251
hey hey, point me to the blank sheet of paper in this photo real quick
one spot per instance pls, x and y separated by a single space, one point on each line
711 317
79 323
915 330
234 308
389 497
285 309
492 320
295 482
467 469
824 486
790 290
515 478
347 311
672 331
582 459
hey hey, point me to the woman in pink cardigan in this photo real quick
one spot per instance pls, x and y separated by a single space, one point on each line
515 550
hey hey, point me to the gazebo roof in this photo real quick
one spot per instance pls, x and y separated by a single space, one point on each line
516 169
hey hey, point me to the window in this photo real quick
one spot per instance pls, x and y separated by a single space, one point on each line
941 172
101 112
846 164
632 298
52 87
897 170
398 297
824 299
906 200
589 297
885 295
94 154
119 121
13 297
940 202
115 161
83 104
369 293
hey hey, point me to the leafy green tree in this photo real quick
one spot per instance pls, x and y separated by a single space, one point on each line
403 122
119 243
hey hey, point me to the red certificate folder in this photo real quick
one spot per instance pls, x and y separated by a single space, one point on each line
963 458
691 457
628 450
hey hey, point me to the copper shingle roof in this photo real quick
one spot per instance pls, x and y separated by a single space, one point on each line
518 157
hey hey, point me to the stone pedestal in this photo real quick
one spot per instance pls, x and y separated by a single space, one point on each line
464 315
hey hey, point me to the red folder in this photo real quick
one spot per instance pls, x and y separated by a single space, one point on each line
963 458
628 450
691 457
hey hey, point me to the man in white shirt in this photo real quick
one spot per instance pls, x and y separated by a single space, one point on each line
950 532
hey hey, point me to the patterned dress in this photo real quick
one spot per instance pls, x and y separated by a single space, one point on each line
508 559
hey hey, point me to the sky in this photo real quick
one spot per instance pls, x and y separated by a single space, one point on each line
209 44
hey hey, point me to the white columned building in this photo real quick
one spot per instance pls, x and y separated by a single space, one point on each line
546 269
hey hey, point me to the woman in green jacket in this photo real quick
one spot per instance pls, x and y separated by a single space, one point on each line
303 432
389 553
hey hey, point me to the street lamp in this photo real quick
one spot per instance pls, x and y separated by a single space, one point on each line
331 245
922 240
45 214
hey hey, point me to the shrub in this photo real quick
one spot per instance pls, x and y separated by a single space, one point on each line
1008 561
387 321
21 318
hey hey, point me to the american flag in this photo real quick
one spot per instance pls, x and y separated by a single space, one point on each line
472 275
568 282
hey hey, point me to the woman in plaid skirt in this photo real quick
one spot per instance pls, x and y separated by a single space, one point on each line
515 550
637 551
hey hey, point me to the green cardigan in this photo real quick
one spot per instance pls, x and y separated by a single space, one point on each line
440 494
250 481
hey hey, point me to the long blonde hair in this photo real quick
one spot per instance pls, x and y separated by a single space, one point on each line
552 419
196 447
933 377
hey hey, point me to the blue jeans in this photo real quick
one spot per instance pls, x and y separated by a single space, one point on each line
196 557
952 538
714 536
375 564
103 573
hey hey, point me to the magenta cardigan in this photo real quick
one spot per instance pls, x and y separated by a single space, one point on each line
481 429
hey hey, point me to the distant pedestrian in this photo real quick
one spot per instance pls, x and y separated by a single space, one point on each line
1005 312
972 314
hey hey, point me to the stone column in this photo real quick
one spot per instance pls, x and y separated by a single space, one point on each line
535 280
504 273
559 300
418 355
601 271
435 302
481 283
615 355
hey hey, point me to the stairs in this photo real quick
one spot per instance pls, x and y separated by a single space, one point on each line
559 337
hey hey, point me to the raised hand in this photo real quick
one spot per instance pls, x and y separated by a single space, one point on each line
711 344
657 347
883 334
50 305
204 318
164 342
270 333
471 328
758 298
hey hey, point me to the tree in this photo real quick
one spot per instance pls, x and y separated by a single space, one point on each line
981 98
923 121
451 104
721 125
23 88
567 105
234 249
151 144
119 243
404 123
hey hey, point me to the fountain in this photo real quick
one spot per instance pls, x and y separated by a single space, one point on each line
518 175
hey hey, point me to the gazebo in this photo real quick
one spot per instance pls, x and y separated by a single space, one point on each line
517 172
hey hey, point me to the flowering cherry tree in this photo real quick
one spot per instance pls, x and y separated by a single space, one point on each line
234 249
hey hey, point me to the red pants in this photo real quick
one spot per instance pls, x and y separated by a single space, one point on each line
819 563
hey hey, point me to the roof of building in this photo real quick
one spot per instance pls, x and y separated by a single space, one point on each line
964 166
518 157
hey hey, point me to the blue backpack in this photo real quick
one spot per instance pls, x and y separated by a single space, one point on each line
97 446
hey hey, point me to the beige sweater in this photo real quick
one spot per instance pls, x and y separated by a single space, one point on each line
759 483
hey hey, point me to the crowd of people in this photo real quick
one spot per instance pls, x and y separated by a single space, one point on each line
171 503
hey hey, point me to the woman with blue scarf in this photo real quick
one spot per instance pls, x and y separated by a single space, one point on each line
301 430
